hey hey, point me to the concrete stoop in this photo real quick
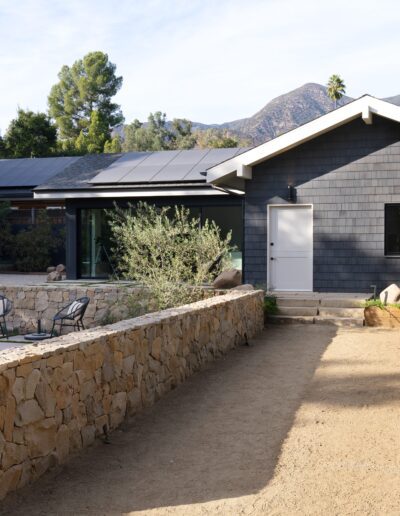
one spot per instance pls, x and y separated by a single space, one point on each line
313 308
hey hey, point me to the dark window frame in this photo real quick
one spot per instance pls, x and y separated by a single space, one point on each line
387 253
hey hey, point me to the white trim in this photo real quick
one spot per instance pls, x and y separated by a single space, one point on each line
288 205
127 193
363 107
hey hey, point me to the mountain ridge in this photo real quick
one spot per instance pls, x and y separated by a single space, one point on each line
282 114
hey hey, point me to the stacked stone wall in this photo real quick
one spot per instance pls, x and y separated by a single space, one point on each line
44 301
57 397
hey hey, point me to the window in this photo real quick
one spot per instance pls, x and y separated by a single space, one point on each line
392 229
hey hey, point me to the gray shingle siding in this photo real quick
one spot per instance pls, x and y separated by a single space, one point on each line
348 175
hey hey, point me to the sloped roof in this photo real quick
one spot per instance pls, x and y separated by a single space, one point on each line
30 172
240 166
169 166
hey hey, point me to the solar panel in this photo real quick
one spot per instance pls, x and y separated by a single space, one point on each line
120 168
31 171
213 157
149 167
181 165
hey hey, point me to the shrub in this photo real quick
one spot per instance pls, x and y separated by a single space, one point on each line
270 305
167 251
33 247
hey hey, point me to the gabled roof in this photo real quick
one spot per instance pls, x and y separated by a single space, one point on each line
240 166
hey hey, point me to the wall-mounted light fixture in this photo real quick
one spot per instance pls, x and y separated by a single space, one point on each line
291 193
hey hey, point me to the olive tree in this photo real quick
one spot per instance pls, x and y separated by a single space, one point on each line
168 251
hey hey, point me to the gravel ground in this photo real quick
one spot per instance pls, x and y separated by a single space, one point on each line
304 422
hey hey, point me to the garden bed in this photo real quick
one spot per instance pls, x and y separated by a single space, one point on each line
386 316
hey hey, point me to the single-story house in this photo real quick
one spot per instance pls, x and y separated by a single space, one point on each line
92 184
322 202
317 208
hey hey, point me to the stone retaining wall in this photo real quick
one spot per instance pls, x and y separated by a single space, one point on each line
44 301
58 396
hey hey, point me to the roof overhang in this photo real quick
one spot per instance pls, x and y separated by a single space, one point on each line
129 193
241 166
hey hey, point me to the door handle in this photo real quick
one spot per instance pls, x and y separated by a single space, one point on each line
272 258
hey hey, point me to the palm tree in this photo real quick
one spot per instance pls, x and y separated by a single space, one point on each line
336 88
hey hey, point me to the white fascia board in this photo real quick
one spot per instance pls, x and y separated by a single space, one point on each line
364 107
127 193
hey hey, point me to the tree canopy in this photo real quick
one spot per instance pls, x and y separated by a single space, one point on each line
158 134
85 88
216 139
30 135
336 88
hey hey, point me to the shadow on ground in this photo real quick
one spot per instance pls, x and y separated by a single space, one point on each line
217 436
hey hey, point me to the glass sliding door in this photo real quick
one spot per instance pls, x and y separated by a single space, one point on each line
94 244
228 218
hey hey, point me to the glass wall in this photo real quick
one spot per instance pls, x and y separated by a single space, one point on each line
94 236
94 244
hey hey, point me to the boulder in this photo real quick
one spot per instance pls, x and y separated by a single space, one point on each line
50 269
228 279
54 276
246 286
390 295
60 268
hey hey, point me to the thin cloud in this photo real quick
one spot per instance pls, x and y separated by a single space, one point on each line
205 60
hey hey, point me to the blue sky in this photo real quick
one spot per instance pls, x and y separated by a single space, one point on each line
210 61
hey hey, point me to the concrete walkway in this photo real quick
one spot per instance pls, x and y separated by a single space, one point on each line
305 422
22 280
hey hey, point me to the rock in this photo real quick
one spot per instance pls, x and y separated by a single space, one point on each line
31 384
62 443
50 269
60 268
246 286
228 279
28 412
41 438
54 276
9 480
156 348
118 409
88 435
390 295
13 454
18 389
46 398
9 418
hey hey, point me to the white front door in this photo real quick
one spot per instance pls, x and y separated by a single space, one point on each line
290 248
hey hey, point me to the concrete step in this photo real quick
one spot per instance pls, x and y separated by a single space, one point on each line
348 322
351 322
343 302
301 311
294 301
289 319
329 312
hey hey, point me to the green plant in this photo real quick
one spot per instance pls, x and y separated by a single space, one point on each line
167 251
32 247
270 305
378 303
336 88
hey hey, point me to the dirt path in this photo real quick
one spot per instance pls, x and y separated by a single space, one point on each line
306 421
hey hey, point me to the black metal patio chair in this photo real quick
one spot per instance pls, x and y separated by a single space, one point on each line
5 308
71 315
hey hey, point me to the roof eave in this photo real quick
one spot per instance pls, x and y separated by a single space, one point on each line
365 107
